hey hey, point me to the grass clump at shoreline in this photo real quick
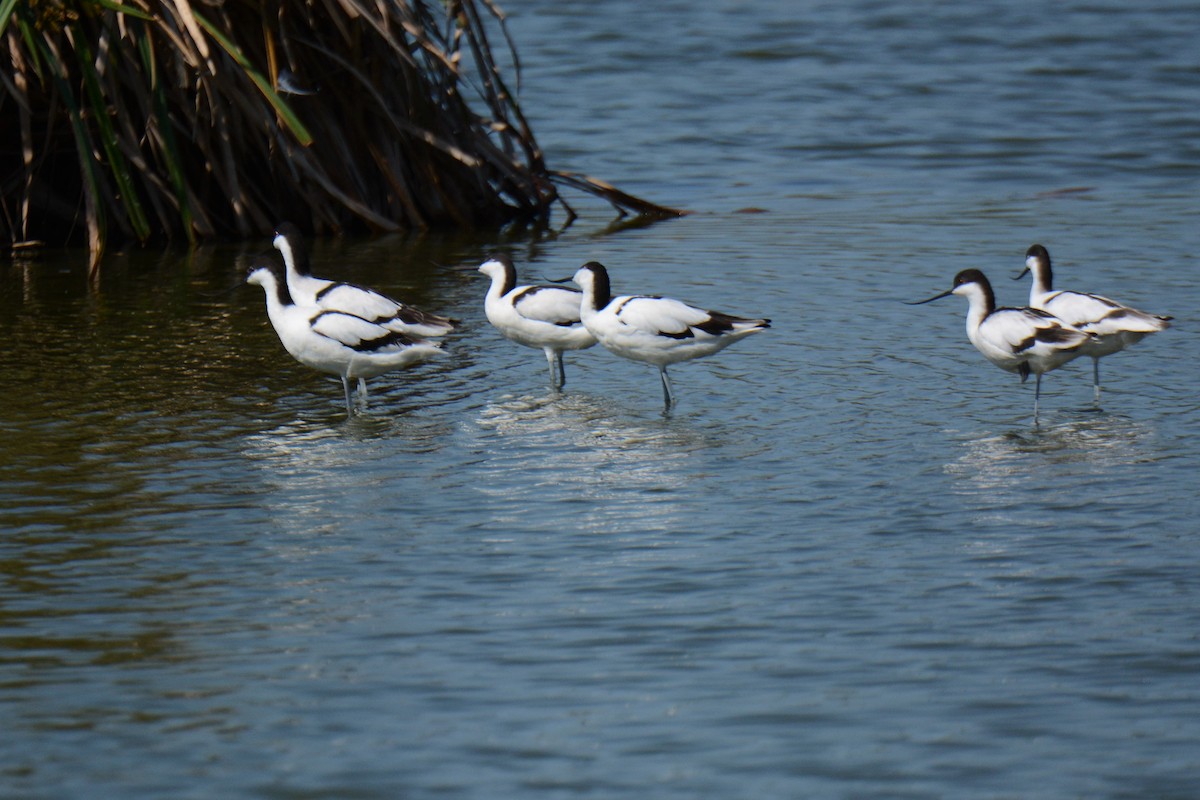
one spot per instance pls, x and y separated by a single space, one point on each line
144 120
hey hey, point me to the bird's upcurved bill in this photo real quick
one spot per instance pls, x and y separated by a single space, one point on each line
931 299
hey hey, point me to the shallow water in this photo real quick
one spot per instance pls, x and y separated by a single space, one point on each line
847 565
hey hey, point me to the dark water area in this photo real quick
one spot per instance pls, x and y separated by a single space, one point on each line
848 564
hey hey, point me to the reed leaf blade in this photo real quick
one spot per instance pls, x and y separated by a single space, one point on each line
117 164
6 11
121 8
84 147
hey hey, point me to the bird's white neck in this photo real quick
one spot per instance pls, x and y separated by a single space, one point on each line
979 305
289 257
597 291
1043 281
504 280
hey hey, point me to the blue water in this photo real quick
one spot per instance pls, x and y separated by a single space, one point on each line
848 565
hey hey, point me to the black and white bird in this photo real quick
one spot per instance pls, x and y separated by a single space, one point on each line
655 330
335 342
1020 340
1116 326
348 297
544 317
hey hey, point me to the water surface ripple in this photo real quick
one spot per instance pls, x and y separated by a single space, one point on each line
848 565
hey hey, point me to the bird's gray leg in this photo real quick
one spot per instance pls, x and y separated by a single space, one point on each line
346 389
668 395
1037 394
1096 379
555 383
562 372
362 392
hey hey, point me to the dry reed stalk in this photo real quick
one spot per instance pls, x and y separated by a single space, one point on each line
142 120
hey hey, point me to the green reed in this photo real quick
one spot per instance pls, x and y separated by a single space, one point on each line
142 120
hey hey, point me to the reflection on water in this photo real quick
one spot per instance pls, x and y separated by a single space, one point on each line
575 447
313 477
1003 462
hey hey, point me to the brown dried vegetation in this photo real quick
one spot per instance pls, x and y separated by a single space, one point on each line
143 120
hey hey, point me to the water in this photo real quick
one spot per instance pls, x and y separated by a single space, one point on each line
848 565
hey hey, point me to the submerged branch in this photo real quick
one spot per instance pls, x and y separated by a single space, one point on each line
621 201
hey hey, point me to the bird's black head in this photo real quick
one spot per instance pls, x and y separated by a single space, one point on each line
1037 258
964 278
269 273
510 272
970 276
601 288
287 229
